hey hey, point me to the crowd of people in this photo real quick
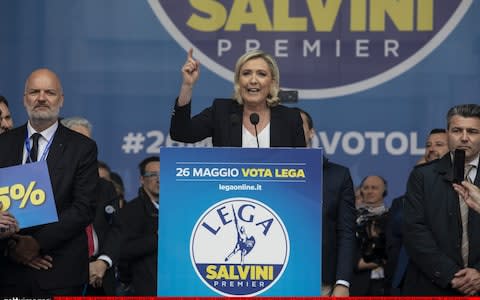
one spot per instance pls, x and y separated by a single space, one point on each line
423 245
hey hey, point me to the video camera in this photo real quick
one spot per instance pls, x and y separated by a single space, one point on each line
371 236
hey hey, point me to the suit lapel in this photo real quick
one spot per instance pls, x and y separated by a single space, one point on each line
275 124
57 148
21 135
477 177
236 119
445 170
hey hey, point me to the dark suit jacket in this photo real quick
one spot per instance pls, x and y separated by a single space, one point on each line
360 284
338 243
397 260
223 122
433 230
108 229
72 165
140 221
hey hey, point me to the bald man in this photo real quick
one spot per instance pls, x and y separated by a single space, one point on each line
51 259
368 278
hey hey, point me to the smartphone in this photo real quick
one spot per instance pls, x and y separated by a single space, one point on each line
458 166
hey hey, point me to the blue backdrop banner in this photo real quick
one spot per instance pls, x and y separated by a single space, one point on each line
240 222
376 75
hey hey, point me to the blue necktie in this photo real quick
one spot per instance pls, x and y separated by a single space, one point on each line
34 150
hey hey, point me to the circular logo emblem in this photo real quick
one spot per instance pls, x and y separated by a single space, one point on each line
324 48
239 247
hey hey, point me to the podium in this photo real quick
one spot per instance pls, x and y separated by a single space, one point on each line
240 222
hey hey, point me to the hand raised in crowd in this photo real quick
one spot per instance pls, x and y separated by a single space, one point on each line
470 193
8 224
467 281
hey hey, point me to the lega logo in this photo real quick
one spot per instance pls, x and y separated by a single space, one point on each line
239 247
325 48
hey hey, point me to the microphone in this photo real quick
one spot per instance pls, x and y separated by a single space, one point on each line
254 119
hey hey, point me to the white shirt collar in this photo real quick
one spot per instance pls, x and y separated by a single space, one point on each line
475 161
473 173
47 134
155 204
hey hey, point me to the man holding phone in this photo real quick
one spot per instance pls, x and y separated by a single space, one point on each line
439 238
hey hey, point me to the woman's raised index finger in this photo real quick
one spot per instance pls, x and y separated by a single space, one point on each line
190 53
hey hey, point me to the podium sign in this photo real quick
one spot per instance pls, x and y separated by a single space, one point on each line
240 222
26 192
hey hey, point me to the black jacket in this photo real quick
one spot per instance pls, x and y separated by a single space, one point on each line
72 165
140 224
338 243
223 122
433 230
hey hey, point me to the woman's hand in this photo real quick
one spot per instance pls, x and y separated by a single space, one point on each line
190 70
190 73
470 193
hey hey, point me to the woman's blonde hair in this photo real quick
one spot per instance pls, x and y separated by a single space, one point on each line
272 98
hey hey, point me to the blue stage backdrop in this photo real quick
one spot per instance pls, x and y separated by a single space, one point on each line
376 75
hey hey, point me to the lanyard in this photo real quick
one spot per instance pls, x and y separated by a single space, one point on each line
45 151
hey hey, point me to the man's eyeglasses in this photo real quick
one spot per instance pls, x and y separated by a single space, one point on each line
151 174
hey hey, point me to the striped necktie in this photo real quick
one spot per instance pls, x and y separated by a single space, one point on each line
464 215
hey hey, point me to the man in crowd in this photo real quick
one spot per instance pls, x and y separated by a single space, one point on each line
50 259
436 147
105 233
368 278
6 121
104 170
338 232
440 230
141 231
8 223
